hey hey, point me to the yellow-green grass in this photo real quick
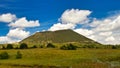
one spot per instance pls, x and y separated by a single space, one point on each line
80 58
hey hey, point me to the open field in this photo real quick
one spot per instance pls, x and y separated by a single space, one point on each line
46 57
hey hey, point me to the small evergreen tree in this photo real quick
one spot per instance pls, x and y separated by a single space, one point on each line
23 46
18 55
4 55
9 46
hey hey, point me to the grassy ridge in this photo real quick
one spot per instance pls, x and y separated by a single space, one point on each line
84 58
61 36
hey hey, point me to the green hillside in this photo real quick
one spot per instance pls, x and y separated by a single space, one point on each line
61 36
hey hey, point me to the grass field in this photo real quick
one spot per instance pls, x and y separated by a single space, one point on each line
56 58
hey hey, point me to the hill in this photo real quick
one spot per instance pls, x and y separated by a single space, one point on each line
60 36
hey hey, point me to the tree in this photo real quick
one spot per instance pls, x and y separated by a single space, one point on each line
4 55
23 46
9 46
18 55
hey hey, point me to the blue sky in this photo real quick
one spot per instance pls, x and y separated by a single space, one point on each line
47 12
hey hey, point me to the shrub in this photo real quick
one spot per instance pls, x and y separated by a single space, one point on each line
41 46
3 47
50 45
23 46
18 55
68 47
71 47
16 47
4 55
9 46
118 46
90 46
63 47
114 47
34 46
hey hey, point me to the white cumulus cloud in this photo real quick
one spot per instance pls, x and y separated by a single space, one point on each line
23 23
14 35
105 31
84 32
8 17
109 39
18 33
60 26
70 18
5 39
75 16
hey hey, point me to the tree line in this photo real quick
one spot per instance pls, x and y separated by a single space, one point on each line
69 46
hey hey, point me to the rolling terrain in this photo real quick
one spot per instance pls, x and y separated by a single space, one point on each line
60 36
92 56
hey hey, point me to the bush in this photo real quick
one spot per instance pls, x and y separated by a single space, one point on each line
34 46
18 55
50 45
4 55
9 46
68 47
16 47
63 47
114 47
71 47
3 47
23 46
41 46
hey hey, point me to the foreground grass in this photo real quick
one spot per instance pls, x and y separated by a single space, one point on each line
80 58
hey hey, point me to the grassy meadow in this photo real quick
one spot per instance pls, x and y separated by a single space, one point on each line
56 58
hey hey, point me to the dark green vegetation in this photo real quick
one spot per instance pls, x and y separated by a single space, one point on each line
50 45
23 46
61 36
4 55
18 55
63 46
9 46
68 47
